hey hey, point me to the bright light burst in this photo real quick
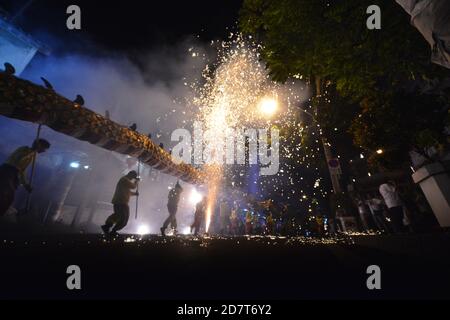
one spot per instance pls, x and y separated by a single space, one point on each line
268 106
236 92
195 197
143 230
228 100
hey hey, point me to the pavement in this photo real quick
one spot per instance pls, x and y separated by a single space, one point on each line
413 266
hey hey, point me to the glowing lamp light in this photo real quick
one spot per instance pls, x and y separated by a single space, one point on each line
268 106
380 151
75 165
143 230
195 197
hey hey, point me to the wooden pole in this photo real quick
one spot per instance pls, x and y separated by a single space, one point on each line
32 173
137 189
326 147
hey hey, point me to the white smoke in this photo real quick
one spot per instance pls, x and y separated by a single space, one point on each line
151 95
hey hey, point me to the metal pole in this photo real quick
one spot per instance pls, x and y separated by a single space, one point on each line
334 175
33 170
137 189
328 156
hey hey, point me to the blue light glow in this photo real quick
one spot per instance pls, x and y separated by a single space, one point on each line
75 165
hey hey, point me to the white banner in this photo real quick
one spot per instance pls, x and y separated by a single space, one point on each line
432 19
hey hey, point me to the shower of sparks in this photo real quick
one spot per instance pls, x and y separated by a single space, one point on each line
235 91
153 241
227 101
214 173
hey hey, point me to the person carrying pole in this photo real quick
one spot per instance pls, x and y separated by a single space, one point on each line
172 206
13 172
199 216
119 219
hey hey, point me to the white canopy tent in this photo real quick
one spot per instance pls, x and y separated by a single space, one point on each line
432 19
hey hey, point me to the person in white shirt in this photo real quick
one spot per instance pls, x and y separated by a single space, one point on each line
392 199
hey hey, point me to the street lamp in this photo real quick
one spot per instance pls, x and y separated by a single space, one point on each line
268 106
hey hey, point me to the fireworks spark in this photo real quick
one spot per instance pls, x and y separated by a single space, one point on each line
236 92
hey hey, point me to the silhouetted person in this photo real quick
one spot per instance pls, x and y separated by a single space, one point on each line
133 127
13 171
224 215
392 199
248 223
234 221
172 206
9 69
200 211
270 224
376 206
364 213
119 219
79 100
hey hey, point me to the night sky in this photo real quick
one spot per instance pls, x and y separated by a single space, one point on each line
127 26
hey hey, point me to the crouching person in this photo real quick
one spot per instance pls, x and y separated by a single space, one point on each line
119 219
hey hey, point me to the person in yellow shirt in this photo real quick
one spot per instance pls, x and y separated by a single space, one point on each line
13 172
119 219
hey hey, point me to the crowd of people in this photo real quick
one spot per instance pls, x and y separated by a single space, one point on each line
384 210
230 218
13 175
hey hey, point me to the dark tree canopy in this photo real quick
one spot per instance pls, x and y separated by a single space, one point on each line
386 73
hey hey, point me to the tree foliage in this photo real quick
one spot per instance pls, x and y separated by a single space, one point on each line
386 74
